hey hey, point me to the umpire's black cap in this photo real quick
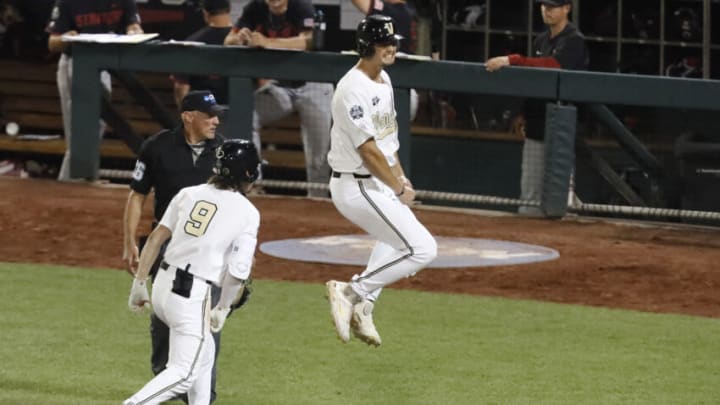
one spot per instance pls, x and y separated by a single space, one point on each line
554 2
202 100
216 6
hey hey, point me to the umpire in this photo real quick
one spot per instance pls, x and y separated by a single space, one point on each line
169 161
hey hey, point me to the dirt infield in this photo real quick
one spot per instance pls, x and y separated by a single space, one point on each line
646 268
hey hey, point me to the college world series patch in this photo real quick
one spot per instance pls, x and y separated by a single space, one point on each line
356 112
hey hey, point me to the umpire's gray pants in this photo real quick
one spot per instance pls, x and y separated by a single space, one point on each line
313 102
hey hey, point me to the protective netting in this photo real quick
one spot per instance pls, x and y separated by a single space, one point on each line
580 208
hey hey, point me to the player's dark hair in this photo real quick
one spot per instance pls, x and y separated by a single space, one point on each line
216 7
219 11
226 183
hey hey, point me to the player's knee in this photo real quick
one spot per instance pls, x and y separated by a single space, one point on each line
185 376
426 251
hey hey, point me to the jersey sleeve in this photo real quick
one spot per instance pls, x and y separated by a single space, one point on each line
131 13
248 18
304 16
142 174
545 62
170 217
239 262
355 117
60 19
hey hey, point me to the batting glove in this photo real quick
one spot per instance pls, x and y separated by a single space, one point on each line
217 318
139 297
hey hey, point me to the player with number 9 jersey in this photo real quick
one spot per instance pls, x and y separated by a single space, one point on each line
210 228
214 234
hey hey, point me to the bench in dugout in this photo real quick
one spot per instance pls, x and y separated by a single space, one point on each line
29 98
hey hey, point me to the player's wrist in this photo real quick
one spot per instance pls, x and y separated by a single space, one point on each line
402 190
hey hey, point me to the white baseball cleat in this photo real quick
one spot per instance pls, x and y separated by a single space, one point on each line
340 307
362 323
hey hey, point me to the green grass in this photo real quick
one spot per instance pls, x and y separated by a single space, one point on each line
66 337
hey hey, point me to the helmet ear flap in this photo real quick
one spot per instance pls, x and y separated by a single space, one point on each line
369 51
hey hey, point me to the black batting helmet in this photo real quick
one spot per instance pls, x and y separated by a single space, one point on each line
375 29
238 161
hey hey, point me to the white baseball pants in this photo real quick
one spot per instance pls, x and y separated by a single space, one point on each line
404 245
190 361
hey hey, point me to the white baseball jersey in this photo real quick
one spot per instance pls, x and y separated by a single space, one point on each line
212 230
362 109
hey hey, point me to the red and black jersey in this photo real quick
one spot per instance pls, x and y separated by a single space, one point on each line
92 17
256 16
567 50
405 19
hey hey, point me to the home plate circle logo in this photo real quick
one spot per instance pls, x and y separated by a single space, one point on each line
452 252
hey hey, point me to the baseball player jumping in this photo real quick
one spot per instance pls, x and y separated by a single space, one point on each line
368 184
214 234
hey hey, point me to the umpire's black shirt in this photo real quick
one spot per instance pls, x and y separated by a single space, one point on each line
166 164
569 50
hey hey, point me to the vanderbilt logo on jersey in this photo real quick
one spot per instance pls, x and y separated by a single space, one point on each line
385 124
356 112
375 100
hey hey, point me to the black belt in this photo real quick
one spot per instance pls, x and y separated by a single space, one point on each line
357 176
164 265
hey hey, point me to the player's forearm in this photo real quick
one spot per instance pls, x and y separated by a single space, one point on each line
151 250
377 165
301 42
55 43
180 90
132 215
231 288
363 5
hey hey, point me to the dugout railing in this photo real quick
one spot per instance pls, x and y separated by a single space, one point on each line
242 65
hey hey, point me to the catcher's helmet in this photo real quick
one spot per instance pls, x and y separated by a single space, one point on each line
238 161
375 29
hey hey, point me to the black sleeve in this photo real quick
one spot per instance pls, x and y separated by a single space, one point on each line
131 13
304 15
249 16
572 53
142 178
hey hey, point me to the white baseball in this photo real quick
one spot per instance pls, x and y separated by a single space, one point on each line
12 128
